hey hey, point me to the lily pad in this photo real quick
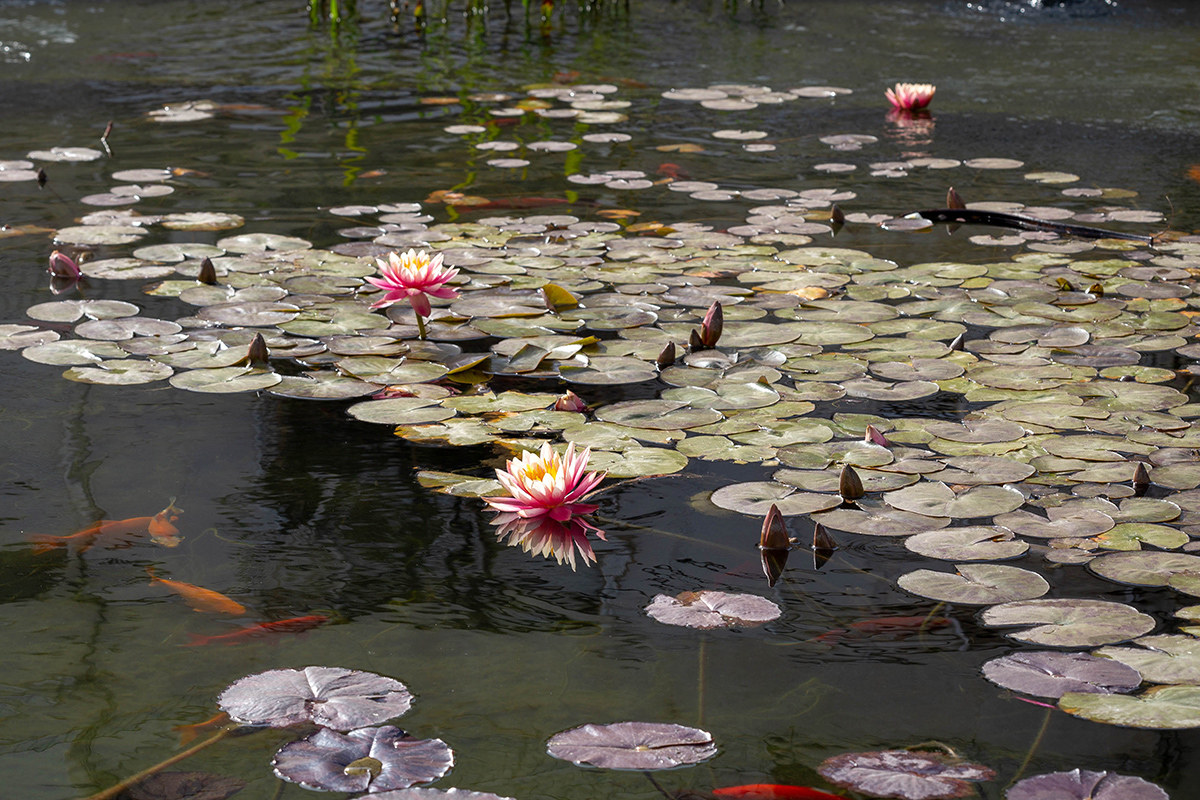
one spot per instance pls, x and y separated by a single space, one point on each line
364 760
429 793
905 774
708 609
1053 674
1079 784
975 584
936 499
1144 567
225 380
755 498
1166 658
633 745
331 697
1069 622
975 543
1159 708
663 415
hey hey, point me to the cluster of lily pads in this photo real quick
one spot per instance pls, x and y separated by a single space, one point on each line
1074 450
352 752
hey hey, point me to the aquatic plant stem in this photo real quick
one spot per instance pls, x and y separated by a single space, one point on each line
421 333
1037 741
116 789
650 777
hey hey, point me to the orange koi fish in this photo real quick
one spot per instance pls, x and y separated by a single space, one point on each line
198 597
885 628
189 732
160 528
774 791
673 171
294 625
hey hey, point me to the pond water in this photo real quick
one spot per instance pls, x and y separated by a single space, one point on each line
294 508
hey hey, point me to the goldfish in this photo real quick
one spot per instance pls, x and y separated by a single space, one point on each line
198 597
160 527
888 628
189 732
294 625
673 171
774 791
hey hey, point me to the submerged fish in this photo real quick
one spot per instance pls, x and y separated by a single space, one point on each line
160 527
885 628
189 732
294 625
774 791
198 597
673 171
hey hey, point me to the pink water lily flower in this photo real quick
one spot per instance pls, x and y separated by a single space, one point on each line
547 484
415 277
911 96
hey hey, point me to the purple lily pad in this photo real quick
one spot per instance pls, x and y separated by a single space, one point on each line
332 697
185 786
1053 674
426 793
633 745
365 760
1080 784
709 609
903 774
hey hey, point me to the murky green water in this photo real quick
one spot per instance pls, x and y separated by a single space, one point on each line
293 508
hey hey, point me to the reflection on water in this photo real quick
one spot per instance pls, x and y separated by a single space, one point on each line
298 512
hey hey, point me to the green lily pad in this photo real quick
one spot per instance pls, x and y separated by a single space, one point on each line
1166 658
71 310
1159 708
1062 524
936 499
1069 622
73 352
755 498
879 521
321 386
225 380
974 543
120 373
657 415
1144 567
984 470
975 584
400 411
1131 535
637 462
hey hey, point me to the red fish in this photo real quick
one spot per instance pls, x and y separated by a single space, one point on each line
774 791
160 527
673 171
888 628
189 732
293 625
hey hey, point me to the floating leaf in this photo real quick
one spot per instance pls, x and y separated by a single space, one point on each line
225 380
975 584
1160 708
366 759
756 498
905 774
1161 659
1053 674
429 793
332 697
707 609
936 499
1144 567
1084 785
633 745
975 543
636 462
1069 622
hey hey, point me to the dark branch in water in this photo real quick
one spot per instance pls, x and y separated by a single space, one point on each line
969 216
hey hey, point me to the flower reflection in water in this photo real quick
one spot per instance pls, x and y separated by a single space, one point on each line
547 537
